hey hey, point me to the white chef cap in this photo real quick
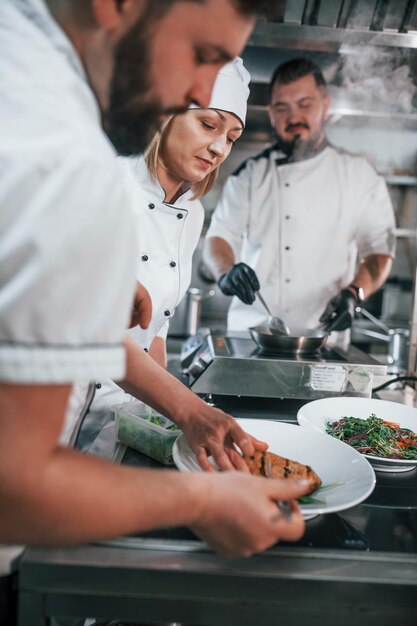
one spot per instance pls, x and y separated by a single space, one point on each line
231 90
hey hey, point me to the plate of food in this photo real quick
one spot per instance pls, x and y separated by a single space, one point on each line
340 476
384 432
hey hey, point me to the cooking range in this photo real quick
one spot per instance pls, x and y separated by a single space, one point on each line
231 364
359 564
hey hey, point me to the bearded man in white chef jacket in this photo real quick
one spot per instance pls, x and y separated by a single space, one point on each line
67 271
310 225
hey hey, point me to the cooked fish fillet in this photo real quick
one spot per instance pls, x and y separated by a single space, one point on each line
281 468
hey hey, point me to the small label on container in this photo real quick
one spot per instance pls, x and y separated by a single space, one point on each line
328 377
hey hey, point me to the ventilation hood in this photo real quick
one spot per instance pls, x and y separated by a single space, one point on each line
329 23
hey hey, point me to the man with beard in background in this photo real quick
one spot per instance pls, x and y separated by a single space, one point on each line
67 241
310 225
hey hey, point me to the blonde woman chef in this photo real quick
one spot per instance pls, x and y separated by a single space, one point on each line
180 166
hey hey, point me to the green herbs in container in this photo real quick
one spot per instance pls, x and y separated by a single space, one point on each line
142 428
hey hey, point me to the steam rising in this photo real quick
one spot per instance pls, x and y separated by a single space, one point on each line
378 79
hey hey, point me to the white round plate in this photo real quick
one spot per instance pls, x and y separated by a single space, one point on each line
315 415
334 462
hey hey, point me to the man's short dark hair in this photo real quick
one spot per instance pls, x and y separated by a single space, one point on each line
244 7
82 9
294 69
259 7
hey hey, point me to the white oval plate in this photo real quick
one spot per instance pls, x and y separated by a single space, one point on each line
333 461
315 415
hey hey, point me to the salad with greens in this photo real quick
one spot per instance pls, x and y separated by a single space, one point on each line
375 437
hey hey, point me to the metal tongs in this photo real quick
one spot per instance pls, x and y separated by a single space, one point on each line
283 505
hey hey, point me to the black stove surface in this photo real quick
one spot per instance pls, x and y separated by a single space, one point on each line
385 522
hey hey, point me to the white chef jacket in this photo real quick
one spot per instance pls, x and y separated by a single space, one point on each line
302 227
62 202
167 235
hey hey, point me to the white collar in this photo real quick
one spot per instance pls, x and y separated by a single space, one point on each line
147 183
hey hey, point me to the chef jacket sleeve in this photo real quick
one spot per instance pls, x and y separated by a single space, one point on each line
67 259
375 223
163 331
230 218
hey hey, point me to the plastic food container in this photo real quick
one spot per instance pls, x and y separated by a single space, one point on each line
144 429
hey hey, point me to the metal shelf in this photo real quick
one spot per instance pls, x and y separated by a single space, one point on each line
277 35
405 233
407 181
342 112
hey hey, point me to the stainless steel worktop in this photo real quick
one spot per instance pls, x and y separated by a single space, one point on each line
360 564
191 585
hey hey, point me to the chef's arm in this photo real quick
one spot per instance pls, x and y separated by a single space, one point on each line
372 273
218 256
158 351
209 431
234 279
142 307
51 495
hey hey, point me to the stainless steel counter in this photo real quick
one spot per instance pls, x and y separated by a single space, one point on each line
190 585
360 566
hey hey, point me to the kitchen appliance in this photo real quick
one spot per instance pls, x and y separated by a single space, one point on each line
397 340
186 319
231 364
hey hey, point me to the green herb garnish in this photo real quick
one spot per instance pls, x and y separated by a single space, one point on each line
310 497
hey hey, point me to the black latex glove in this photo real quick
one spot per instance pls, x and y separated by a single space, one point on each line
240 281
340 311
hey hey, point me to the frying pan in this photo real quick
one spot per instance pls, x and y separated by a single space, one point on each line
301 341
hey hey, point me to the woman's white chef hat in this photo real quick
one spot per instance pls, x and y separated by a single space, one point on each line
231 90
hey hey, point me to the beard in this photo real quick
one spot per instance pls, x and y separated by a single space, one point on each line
299 149
133 117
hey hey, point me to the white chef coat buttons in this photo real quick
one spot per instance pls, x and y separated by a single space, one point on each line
151 205
287 247
287 217
180 216
287 184
144 257
167 313
172 264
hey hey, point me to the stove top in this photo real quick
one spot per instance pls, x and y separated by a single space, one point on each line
232 364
